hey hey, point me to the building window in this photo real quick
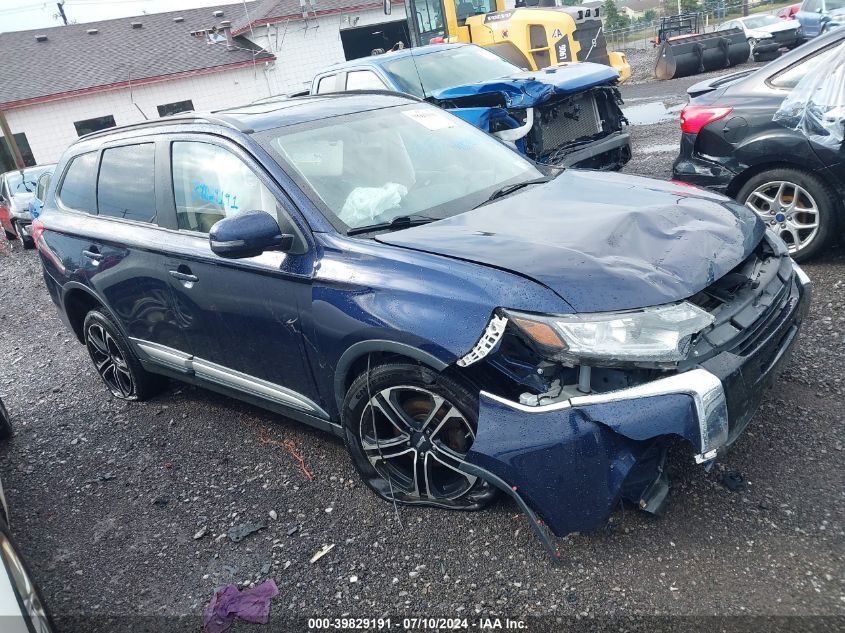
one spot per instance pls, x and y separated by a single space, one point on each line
175 108
7 163
93 125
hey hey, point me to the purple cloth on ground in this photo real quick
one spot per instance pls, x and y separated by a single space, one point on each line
252 605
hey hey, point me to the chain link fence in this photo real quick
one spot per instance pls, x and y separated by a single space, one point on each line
642 35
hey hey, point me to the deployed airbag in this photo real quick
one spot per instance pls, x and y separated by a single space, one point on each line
364 204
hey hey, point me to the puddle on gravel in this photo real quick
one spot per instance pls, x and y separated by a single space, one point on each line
651 113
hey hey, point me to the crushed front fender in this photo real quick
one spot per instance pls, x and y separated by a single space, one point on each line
570 462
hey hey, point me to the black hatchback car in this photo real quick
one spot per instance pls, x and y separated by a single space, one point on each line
731 144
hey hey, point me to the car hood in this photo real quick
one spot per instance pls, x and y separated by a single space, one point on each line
600 241
531 88
775 28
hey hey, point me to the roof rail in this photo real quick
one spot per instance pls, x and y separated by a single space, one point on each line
175 119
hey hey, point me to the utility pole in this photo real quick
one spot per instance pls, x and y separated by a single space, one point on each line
61 6
10 142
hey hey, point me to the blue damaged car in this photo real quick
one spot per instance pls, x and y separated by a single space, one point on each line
567 115
468 321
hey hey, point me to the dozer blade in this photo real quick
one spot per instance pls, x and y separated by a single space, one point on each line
697 53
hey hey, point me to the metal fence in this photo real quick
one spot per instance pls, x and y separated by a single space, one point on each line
642 35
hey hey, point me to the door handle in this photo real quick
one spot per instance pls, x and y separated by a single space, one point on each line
93 253
184 276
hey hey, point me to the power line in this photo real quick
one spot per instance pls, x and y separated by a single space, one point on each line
26 7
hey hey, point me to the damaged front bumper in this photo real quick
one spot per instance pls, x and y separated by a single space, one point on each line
569 462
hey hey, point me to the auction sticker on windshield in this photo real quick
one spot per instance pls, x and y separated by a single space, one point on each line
432 119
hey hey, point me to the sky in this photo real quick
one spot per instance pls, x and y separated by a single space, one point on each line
22 15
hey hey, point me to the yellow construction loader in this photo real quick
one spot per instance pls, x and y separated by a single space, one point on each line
532 37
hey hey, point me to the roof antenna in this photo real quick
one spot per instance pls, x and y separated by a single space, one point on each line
132 98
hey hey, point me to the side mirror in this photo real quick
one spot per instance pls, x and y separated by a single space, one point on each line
248 235
386 7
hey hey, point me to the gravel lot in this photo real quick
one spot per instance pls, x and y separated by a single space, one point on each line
123 509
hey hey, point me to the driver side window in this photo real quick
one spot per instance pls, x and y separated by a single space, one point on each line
210 183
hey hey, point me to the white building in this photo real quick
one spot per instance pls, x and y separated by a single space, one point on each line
61 82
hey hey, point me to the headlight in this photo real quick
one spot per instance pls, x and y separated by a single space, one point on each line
661 334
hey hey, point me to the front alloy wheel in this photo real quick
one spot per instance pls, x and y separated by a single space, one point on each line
408 437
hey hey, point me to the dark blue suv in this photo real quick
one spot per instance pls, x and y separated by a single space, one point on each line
467 320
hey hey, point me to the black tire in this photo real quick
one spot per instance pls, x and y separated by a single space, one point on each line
5 422
823 198
10 237
431 451
25 241
113 358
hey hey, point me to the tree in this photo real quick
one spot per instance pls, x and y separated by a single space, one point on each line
612 18
690 6
650 15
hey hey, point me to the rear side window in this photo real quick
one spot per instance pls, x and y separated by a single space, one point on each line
210 183
43 183
790 77
326 84
126 186
77 190
363 80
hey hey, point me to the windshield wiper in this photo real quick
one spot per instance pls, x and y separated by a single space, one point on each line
503 191
396 224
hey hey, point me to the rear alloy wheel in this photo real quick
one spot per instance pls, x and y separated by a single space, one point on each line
408 432
796 205
115 361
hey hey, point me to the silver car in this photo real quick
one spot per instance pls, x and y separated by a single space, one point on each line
21 606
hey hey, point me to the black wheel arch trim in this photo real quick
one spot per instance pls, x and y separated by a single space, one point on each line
749 171
361 348
72 286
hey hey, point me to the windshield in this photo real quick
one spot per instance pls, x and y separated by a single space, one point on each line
412 161
24 182
447 68
761 20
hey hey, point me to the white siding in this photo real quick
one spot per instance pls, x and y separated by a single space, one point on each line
304 48
49 126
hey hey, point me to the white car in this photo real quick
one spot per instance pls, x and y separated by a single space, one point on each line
766 34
